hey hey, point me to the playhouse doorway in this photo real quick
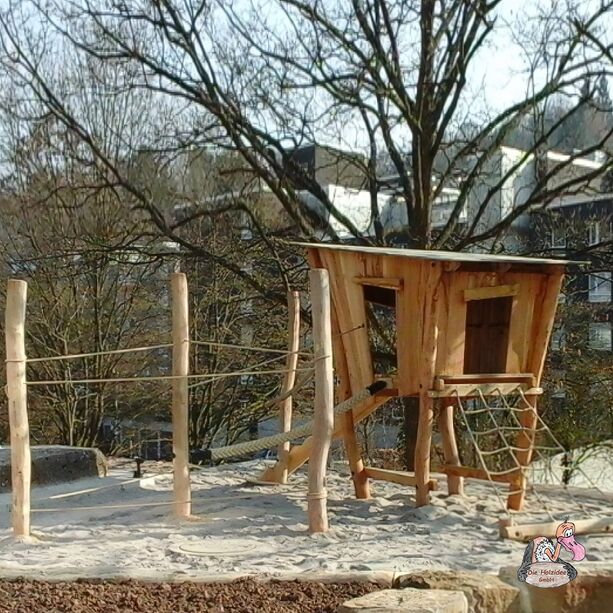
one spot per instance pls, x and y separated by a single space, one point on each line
380 303
487 335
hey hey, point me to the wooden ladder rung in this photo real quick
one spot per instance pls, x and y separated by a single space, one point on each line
396 476
477 473
504 377
467 390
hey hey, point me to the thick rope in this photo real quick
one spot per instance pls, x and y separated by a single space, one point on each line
268 442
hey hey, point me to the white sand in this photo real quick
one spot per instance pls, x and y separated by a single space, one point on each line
257 529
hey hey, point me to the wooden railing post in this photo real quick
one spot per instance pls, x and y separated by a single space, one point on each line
180 395
293 305
21 465
323 423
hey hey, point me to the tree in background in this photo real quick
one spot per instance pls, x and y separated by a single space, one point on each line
89 289
392 77
578 403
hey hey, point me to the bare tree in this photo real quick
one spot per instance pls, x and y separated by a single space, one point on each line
390 76
259 81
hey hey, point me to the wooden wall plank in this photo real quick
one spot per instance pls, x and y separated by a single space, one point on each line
497 291
546 305
348 298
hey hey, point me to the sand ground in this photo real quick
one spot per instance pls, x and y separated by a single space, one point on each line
252 529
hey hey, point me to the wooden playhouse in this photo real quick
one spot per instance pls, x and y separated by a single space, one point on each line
466 324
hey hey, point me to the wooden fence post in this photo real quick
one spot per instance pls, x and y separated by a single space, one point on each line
323 420
180 394
21 464
293 305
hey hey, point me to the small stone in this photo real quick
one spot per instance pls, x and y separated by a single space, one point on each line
407 600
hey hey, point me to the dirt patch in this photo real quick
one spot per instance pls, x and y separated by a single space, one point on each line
242 596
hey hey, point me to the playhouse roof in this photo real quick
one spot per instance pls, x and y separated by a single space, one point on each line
444 256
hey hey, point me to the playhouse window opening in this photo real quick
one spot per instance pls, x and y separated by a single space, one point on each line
381 325
487 335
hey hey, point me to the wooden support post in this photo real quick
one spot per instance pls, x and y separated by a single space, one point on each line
346 421
422 450
293 344
525 442
455 484
21 465
180 395
323 424
354 457
430 276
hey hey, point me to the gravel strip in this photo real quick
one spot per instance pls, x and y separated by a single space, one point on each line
242 596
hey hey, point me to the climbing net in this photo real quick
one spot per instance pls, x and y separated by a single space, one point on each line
496 429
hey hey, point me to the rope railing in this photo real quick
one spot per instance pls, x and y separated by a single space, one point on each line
74 356
238 373
165 377
249 348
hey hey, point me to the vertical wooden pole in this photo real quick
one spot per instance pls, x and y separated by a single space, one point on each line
180 396
428 288
293 344
455 484
422 450
525 442
323 423
21 465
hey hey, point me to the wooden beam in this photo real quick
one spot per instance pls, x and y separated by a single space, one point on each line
488 378
485 293
451 266
180 395
389 283
323 418
16 390
455 483
430 277
293 345
527 532
396 476
471 390
528 419
476 473
503 267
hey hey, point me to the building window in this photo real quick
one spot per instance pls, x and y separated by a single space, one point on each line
600 287
593 233
600 336
558 339
558 238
